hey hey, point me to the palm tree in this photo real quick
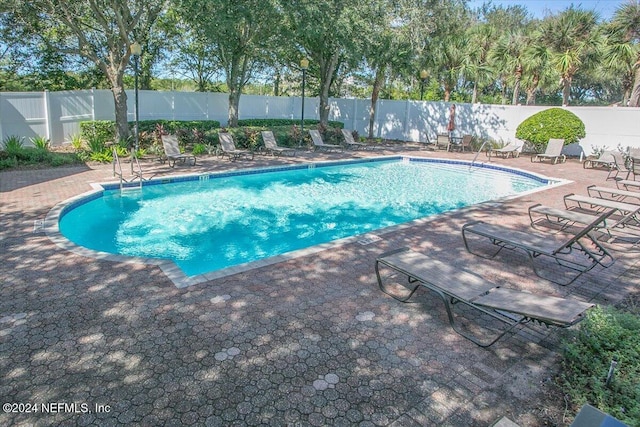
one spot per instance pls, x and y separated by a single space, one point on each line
536 58
574 39
626 44
449 57
509 54
476 67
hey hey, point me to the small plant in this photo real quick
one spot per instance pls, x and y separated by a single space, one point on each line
95 145
605 336
40 142
551 123
104 156
13 144
199 149
76 142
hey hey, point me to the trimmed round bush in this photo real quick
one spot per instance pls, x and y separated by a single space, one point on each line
552 123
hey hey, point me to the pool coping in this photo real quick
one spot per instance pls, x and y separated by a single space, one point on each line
181 280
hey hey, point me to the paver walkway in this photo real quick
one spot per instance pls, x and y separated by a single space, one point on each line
311 341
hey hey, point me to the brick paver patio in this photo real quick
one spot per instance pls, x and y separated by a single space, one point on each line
310 341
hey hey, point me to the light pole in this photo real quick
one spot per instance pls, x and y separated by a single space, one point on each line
136 51
304 64
423 79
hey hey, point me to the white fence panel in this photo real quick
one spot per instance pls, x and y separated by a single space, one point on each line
57 115
71 108
23 114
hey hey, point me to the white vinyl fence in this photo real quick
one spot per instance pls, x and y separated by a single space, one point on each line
56 115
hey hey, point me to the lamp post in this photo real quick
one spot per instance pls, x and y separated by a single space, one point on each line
423 79
304 64
136 51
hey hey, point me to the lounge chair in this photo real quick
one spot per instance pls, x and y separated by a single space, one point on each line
605 159
553 152
351 143
628 184
628 214
511 149
229 149
465 144
620 228
564 251
272 147
621 165
172 151
511 306
442 142
614 194
319 145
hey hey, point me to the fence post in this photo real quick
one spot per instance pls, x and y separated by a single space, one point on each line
47 114
355 112
93 104
1 133
407 110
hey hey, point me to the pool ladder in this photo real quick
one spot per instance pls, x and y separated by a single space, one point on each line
136 173
477 154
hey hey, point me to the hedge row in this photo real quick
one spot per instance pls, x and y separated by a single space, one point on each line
190 133
284 122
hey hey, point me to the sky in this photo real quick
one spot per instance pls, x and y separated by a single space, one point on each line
540 8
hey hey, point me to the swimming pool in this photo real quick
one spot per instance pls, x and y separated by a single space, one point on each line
213 223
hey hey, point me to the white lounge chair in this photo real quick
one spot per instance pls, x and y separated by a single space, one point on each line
442 142
172 151
553 152
511 149
579 252
454 287
271 145
351 143
319 145
605 159
228 148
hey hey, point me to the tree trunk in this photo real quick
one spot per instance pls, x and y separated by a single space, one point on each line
122 122
234 102
516 86
375 94
474 94
566 90
327 71
115 77
635 93
235 82
447 94
531 91
276 84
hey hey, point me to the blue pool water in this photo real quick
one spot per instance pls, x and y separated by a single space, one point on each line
208 224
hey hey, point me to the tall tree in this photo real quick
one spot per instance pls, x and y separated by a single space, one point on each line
509 54
626 44
388 49
327 32
446 48
98 31
236 31
574 39
536 64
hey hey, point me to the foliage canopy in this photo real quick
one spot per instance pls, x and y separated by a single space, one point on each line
551 123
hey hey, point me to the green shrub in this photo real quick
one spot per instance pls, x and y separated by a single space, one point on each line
551 123
101 130
605 335
95 144
13 144
199 149
40 142
77 142
269 123
173 126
